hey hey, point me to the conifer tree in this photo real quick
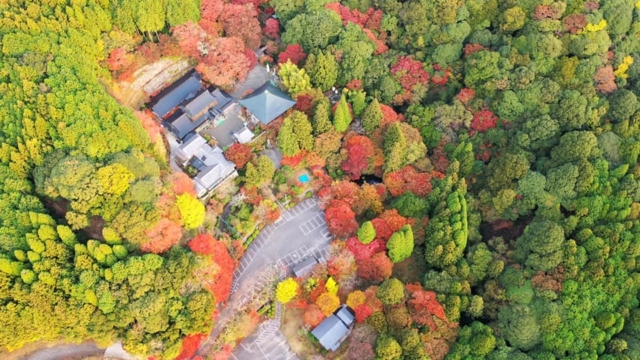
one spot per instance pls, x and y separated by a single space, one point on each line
342 117
321 120
372 116
322 69
395 148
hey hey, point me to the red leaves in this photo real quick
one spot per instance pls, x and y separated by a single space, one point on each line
542 12
574 23
191 38
483 120
376 268
363 311
220 284
294 53
341 220
210 10
388 115
149 124
359 152
272 28
225 63
164 235
119 59
305 103
239 154
361 251
182 184
241 21
472 49
190 345
407 179
466 95
313 316
423 304
605 80
409 72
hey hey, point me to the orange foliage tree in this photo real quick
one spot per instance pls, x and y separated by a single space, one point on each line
239 154
163 235
328 303
313 315
190 345
376 268
360 152
241 21
220 284
225 63
341 220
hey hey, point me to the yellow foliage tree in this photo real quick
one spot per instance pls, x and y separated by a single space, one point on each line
192 211
332 286
115 178
621 71
296 80
328 303
286 290
356 299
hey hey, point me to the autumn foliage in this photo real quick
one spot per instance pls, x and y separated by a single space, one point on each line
423 304
407 179
164 235
241 21
293 53
483 120
376 268
220 283
341 220
225 63
239 154
313 315
360 151
409 72
190 345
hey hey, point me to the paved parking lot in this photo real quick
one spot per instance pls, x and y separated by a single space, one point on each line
299 233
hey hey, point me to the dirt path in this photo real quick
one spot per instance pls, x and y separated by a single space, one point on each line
65 352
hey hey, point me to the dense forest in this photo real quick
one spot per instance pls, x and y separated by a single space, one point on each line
505 136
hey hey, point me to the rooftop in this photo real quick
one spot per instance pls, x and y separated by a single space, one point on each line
334 329
304 267
183 89
267 102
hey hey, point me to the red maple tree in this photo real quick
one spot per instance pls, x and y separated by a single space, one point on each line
182 184
376 268
407 179
293 53
191 37
220 283
409 72
359 151
341 220
239 154
225 63
362 251
313 316
150 125
423 304
483 120
272 28
119 59
163 235
241 21
363 311
190 345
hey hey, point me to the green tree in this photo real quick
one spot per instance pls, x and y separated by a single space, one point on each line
322 68
295 134
342 117
294 79
321 120
400 244
372 116
391 292
540 247
366 232
387 348
395 148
